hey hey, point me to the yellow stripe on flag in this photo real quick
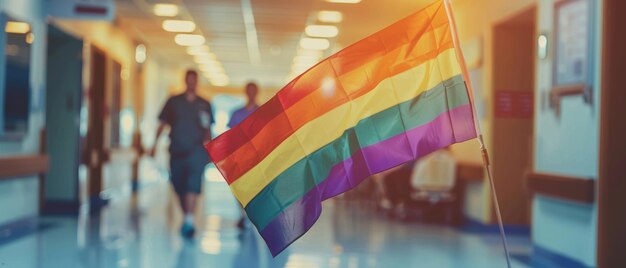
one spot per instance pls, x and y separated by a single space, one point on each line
328 127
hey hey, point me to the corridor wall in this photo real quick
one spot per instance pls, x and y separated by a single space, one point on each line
19 197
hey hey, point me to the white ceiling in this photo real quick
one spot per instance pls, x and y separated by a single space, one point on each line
279 26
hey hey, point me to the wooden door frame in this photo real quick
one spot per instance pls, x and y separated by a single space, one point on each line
612 180
498 27
96 148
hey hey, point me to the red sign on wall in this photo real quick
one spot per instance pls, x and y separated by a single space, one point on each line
513 104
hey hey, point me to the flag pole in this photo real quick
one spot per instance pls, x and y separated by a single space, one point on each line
483 149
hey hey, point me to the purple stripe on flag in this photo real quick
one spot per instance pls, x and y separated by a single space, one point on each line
453 126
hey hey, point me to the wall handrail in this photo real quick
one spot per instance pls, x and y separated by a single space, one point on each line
575 189
470 172
23 165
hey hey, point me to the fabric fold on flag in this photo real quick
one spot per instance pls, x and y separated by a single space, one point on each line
390 98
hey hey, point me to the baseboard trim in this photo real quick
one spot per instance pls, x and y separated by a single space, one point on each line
476 227
547 258
60 207
20 228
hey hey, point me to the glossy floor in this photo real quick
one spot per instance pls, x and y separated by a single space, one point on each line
142 231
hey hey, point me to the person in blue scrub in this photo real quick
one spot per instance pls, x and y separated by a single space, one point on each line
189 117
239 115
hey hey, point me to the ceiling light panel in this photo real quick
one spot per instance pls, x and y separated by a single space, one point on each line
219 80
209 59
310 53
330 16
165 10
314 43
211 66
198 50
189 39
211 70
326 31
179 26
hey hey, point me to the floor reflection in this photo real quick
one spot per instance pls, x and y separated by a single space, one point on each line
142 231
187 255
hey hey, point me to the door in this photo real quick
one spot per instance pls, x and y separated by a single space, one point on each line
116 105
513 86
63 105
97 113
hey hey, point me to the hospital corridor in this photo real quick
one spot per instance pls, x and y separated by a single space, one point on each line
312 133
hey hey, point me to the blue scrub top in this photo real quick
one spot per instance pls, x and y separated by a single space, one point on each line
239 115
189 121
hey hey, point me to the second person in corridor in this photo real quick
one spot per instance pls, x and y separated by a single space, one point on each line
239 115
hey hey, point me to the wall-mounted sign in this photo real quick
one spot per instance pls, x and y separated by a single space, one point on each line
572 23
81 9
513 104
573 20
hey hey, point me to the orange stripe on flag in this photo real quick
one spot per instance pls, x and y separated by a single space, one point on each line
416 34
358 68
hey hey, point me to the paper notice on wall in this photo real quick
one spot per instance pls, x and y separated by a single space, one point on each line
572 33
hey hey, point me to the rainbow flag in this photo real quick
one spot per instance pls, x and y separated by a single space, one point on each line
390 98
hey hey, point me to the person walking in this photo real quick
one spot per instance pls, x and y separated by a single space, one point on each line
189 118
239 115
